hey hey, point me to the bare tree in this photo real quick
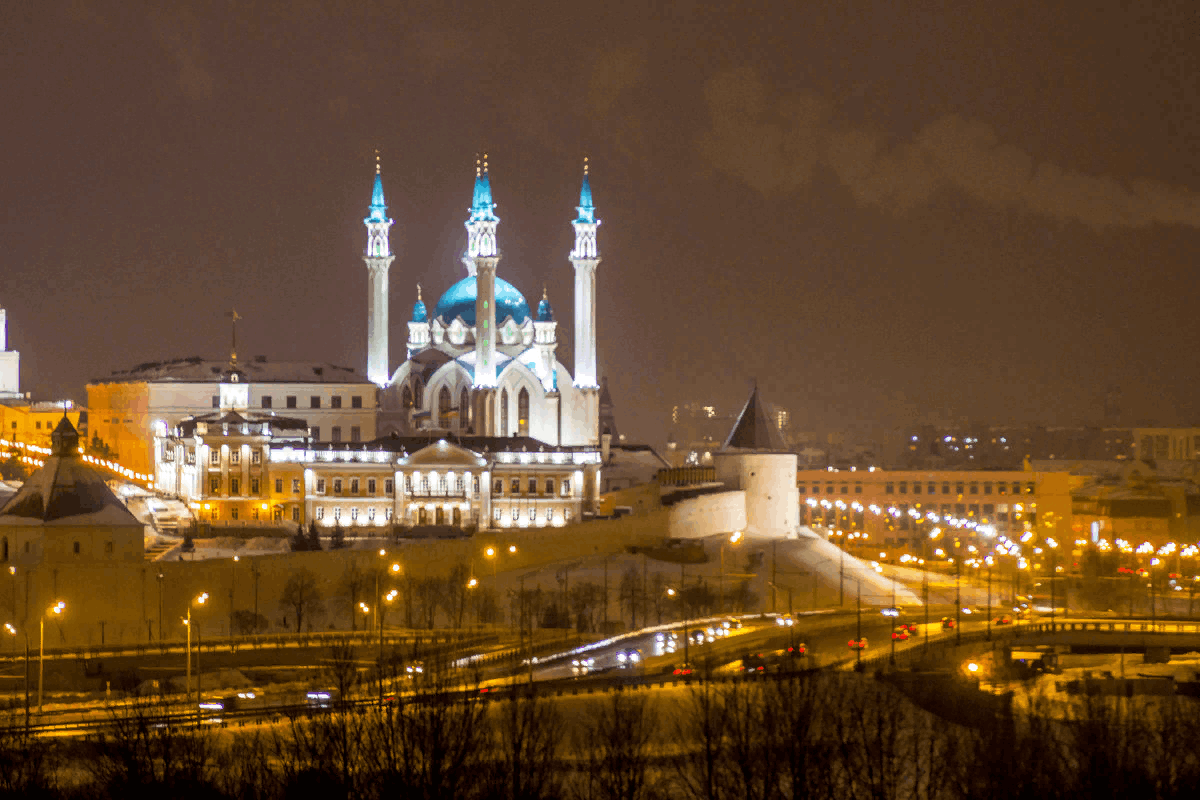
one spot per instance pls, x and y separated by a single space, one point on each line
526 734
630 594
302 596
615 749
353 585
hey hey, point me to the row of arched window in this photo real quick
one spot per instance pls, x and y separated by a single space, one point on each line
412 395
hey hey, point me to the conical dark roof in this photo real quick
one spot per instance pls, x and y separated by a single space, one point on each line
66 490
754 429
608 423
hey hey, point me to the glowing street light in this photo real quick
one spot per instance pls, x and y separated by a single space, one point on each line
57 610
200 600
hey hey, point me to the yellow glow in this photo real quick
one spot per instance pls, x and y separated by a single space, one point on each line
471 584
512 548
972 667
202 599
395 567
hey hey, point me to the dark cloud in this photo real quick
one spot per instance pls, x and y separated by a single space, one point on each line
774 144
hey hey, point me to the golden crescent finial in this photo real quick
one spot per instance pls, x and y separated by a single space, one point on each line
544 293
419 300
585 165
376 160
477 162
485 164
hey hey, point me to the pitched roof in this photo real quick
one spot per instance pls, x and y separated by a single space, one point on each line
259 370
66 491
754 429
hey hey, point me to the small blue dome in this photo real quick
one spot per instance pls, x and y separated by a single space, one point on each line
459 301
419 312
545 312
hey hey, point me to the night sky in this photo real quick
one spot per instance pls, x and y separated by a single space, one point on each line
884 212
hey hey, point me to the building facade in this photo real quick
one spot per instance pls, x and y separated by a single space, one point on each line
890 510
129 409
245 468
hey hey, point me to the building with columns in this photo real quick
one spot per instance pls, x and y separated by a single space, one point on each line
483 363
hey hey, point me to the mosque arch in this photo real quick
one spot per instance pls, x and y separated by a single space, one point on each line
444 407
464 409
523 412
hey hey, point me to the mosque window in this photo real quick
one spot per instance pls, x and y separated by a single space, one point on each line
444 408
464 410
523 412
504 412
406 398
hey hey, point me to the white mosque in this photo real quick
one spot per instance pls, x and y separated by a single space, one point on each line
482 364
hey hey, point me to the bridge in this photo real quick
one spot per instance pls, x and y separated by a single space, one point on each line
1110 635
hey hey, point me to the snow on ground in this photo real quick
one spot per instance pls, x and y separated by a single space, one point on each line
811 553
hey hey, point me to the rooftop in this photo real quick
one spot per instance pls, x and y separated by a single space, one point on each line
259 370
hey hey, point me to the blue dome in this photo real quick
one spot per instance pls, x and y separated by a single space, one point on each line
545 312
419 312
459 301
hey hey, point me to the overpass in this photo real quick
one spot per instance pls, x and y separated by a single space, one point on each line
1110 635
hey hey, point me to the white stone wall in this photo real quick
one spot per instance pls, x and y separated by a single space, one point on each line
720 513
769 481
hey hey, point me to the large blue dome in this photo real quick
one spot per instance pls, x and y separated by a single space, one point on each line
459 301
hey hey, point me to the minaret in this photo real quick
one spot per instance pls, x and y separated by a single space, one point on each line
378 259
545 340
10 362
586 257
480 261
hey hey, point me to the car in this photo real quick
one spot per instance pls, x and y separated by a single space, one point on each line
753 662
629 659
699 637
665 642
680 670
583 666
1003 619
900 634
858 644
785 621
911 627
947 623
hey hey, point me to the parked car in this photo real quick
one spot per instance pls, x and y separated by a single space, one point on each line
858 644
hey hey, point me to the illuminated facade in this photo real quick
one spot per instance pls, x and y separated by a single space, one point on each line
128 409
240 467
482 363
890 509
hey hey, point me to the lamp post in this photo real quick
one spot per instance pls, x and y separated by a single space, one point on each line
858 625
160 606
232 584
201 599
988 560
734 538
11 630
57 610
1053 545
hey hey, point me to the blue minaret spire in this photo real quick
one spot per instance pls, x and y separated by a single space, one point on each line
378 207
587 211
482 207
585 257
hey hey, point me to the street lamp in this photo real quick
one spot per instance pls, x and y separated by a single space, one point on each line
11 630
200 600
232 584
734 538
56 609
